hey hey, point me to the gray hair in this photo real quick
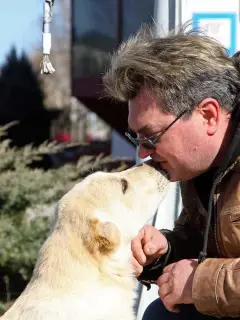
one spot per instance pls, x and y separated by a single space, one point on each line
180 70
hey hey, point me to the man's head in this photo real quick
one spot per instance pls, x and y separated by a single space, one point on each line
185 75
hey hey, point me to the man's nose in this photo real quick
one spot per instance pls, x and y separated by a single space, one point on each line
144 152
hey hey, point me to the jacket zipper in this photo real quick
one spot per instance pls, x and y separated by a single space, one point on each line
215 217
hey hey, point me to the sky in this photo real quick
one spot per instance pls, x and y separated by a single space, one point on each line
20 25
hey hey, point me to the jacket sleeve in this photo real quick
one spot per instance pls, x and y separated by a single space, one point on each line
216 287
185 239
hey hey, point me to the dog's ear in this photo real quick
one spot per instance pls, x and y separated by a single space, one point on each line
103 237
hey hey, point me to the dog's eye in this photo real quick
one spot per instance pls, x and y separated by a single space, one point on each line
124 185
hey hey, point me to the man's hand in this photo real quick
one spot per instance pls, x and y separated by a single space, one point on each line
175 284
147 246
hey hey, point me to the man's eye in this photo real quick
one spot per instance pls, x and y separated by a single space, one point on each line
145 136
134 134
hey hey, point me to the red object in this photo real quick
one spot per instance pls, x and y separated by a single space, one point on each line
62 137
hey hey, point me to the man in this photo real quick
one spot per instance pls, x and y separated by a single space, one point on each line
184 103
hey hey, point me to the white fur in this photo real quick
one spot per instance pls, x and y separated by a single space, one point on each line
74 278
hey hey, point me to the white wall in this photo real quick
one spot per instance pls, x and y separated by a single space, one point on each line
167 213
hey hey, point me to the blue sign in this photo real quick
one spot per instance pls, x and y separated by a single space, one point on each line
232 17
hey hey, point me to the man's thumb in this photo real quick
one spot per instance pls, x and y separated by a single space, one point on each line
157 245
150 248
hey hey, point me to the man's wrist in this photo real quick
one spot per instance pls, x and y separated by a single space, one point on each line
154 270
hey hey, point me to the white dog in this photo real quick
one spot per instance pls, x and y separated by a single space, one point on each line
84 268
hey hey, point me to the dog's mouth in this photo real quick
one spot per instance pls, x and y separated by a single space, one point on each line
157 166
163 172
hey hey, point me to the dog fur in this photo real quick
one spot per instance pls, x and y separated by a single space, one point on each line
84 267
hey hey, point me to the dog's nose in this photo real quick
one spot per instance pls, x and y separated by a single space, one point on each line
150 163
156 166
153 164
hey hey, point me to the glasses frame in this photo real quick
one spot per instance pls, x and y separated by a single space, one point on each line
150 142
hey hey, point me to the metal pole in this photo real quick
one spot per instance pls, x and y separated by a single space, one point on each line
161 16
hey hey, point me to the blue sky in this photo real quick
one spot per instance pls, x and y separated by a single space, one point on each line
20 25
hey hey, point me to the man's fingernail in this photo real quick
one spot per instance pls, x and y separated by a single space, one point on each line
151 248
143 259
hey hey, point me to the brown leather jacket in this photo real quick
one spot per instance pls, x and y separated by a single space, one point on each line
216 285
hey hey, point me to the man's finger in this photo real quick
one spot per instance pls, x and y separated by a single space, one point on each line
146 233
164 278
155 244
137 267
164 290
149 248
137 250
170 303
169 268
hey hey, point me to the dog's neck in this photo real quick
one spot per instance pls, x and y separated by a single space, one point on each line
118 266
68 266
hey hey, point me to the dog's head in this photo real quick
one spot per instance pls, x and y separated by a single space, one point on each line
106 210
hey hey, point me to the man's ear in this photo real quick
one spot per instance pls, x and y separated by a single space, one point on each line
103 237
210 110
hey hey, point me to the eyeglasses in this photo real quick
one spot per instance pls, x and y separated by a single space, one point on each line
150 142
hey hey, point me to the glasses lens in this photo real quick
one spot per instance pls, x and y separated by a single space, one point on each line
147 145
133 135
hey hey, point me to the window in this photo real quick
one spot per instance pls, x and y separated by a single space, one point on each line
96 31
94 35
136 12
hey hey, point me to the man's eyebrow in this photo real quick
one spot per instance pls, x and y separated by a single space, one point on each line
143 129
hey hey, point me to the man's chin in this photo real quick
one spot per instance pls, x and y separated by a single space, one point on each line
175 176
169 171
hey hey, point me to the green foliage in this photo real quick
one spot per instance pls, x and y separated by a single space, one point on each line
19 245
2 308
